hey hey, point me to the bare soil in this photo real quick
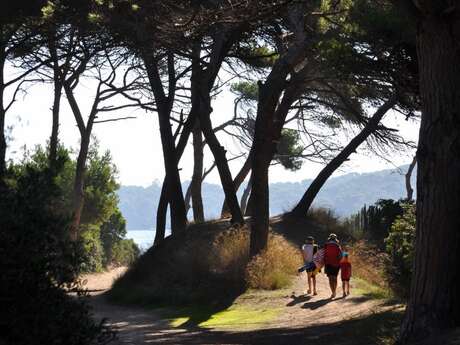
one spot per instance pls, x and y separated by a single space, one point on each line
304 319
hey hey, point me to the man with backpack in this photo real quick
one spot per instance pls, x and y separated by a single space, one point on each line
332 257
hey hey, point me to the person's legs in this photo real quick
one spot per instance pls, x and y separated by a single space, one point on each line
331 285
344 288
309 282
313 278
348 287
334 286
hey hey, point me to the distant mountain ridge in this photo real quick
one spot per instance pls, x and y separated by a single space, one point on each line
344 194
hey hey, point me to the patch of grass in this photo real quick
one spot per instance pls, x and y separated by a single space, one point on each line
369 290
236 317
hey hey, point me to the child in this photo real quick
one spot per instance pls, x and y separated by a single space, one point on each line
308 251
345 273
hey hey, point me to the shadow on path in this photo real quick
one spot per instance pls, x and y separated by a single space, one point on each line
318 304
298 299
363 331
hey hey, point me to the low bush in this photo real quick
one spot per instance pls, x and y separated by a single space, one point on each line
124 252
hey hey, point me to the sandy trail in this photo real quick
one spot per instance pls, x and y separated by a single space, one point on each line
304 318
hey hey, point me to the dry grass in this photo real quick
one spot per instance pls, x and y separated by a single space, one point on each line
368 263
275 267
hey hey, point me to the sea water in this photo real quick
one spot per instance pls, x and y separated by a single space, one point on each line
144 238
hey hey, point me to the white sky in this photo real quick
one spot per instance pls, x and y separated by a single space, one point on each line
135 144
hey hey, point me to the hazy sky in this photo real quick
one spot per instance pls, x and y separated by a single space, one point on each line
135 144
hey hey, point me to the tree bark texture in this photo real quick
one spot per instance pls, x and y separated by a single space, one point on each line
434 302
309 196
197 177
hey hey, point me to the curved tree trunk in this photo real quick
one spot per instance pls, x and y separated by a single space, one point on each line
245 197
304 204
79 185
434 302
174 186
162 210
237 181
197 177
409 189
219 156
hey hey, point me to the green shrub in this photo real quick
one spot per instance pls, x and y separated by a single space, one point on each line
38 262
400 246
124 252
93 253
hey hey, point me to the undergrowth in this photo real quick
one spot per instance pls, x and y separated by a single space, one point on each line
207 264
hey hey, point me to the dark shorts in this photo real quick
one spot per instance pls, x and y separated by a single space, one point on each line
331 271
346 280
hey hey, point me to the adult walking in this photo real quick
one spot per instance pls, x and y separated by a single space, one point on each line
332 257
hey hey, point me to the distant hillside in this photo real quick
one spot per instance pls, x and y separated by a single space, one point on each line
344 194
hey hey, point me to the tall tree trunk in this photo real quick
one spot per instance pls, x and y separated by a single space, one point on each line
434 302
197 177
264 149
79 185
304 204
219 156
174 186
271 117
245 196
162 209
54 138
409 189
2 115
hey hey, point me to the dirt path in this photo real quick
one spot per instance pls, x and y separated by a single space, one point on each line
302 318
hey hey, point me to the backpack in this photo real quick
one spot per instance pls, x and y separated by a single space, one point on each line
332 254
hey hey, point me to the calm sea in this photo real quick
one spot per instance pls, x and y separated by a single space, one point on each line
144 238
